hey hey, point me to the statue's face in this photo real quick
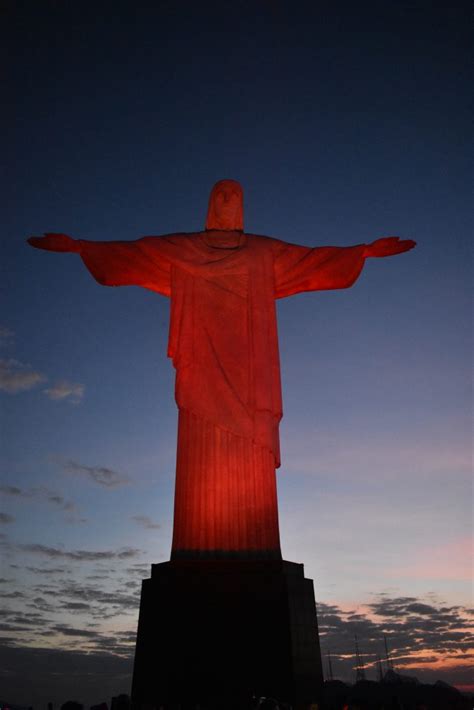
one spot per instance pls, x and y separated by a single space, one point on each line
227 201
226 206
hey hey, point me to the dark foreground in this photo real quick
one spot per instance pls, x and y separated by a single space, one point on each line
369 695
364 695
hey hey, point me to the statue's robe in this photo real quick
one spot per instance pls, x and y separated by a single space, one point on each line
224 345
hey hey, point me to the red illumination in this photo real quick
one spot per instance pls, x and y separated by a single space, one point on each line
223 343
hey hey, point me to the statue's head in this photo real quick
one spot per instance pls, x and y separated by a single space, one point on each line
226 206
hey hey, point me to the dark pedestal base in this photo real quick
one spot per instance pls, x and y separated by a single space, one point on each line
215 633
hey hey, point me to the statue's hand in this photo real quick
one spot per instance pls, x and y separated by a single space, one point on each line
55 242
388 246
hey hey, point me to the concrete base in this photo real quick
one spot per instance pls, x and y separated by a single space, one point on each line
214 633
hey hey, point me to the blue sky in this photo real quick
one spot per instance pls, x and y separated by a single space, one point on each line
342 125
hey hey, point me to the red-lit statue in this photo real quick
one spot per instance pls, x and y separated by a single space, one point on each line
223 342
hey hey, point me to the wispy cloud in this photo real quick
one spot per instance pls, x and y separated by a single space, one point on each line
54 498
109 598
98 601
48 570
145 522
28 619
80 555
76 606
106 477
140 569
67 630
40 493
66 391
16 376
14 491
5 519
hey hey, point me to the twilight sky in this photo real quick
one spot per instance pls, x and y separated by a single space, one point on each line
343 123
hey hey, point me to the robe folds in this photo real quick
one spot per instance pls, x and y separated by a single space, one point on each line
224 346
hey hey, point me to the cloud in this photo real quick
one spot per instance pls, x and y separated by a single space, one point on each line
418 608
54 498
67 630
80 555
139 570
16 376
63 390
39 492
48 570
427 640
5 519
417 651
13 491
59 500
146 522
28 619
76 606
106 477
109 598
96 602
41 604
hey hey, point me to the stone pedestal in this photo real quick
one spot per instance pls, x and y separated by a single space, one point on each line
214 633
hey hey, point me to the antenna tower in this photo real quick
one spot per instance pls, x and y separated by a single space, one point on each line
388 660
379 669
360 671
330 673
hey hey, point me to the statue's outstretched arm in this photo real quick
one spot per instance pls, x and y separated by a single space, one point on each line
298 268
134 263
55 242
388 246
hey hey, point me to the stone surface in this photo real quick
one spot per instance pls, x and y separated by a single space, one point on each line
217 632
223 343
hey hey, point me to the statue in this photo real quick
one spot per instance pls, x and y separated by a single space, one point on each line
223 342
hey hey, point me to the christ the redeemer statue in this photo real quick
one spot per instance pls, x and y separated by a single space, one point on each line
223 342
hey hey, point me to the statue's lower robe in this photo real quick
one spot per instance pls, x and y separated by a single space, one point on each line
225 499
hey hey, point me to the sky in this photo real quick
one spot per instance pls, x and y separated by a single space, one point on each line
343 123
